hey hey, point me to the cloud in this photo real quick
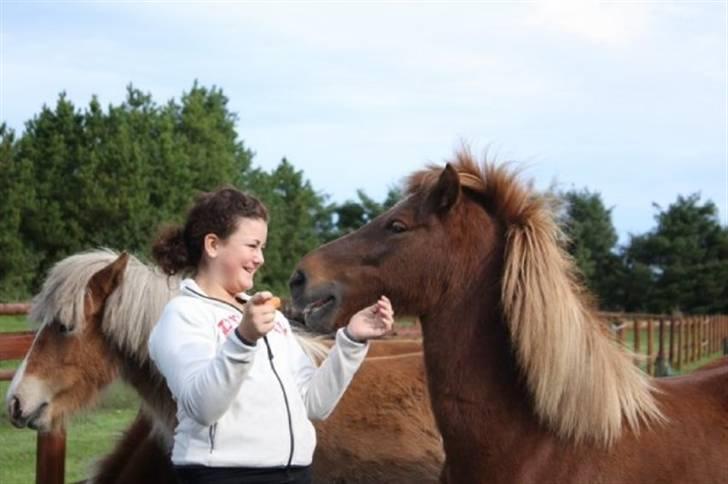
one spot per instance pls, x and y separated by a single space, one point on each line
604 23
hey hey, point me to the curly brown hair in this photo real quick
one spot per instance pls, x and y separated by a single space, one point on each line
178 248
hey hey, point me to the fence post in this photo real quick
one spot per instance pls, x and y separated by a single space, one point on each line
671 347
636 342
678 361
619 332
50 459
650 348
662 365
693 339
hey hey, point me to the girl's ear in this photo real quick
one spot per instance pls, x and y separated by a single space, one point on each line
211 243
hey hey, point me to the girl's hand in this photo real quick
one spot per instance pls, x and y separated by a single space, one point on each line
258 316
372 322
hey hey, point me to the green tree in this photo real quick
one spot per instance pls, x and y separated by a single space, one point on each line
593 242
98 177
352 214
683 262
17 261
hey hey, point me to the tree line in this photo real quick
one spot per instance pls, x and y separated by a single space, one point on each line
79 178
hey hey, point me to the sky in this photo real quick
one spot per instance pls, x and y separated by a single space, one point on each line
625 98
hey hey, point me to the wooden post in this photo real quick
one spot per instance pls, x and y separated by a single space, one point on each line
50 459
714 320
636 342
619 333
694 323
662 365
650 348
689 340
671 347
680 329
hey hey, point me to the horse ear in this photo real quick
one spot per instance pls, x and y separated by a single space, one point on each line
446 191
103 283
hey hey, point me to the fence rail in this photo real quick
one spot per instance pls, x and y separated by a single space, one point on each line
671 342
680 341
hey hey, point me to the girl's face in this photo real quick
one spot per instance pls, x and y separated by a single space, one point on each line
234 261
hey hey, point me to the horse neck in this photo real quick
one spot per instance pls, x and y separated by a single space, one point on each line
476 391
149 385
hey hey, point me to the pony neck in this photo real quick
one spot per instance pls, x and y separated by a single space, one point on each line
477 396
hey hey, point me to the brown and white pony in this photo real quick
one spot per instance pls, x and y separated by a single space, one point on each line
96 311
526 384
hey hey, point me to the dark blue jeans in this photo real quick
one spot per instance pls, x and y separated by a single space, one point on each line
195 474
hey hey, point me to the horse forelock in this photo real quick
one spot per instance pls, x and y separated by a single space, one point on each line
584 385
63 292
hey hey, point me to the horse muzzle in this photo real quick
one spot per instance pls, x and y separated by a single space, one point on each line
21 416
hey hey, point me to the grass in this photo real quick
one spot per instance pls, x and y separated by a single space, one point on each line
13 323
89 436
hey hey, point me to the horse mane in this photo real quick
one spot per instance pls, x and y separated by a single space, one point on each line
131 311
583 384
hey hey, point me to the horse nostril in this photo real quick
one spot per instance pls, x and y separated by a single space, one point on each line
298 279
15 411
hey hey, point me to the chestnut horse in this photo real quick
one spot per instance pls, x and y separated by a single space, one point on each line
525 383
96 311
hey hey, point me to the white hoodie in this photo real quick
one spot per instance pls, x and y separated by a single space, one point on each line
233 408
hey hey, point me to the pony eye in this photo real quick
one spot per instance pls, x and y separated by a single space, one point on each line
396 226
63 329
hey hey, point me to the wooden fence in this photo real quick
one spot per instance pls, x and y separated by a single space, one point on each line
659 343
662 343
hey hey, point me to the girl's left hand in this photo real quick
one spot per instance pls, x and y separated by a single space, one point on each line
373 321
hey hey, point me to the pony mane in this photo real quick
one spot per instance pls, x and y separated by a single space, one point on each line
583 384
131 311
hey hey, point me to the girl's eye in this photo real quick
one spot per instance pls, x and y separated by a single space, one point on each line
396 226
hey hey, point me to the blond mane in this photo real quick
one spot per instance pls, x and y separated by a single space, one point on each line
584 386
131 311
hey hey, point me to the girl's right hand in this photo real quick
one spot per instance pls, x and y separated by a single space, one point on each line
258 317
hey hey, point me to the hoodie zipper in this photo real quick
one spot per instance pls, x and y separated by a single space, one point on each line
213 427
212 432
285 399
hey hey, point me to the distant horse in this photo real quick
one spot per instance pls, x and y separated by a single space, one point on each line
96 311
526 384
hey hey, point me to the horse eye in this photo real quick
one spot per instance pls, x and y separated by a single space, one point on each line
63 329
396 226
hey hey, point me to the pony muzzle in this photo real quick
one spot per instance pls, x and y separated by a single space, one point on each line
21 417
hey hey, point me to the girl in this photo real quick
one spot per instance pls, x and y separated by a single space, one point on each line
245 390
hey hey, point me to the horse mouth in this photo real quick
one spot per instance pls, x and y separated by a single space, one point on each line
33 420
315 313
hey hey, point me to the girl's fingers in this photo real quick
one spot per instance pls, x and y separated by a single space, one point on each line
261 297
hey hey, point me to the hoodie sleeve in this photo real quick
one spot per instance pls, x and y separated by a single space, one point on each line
321 388
202 378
